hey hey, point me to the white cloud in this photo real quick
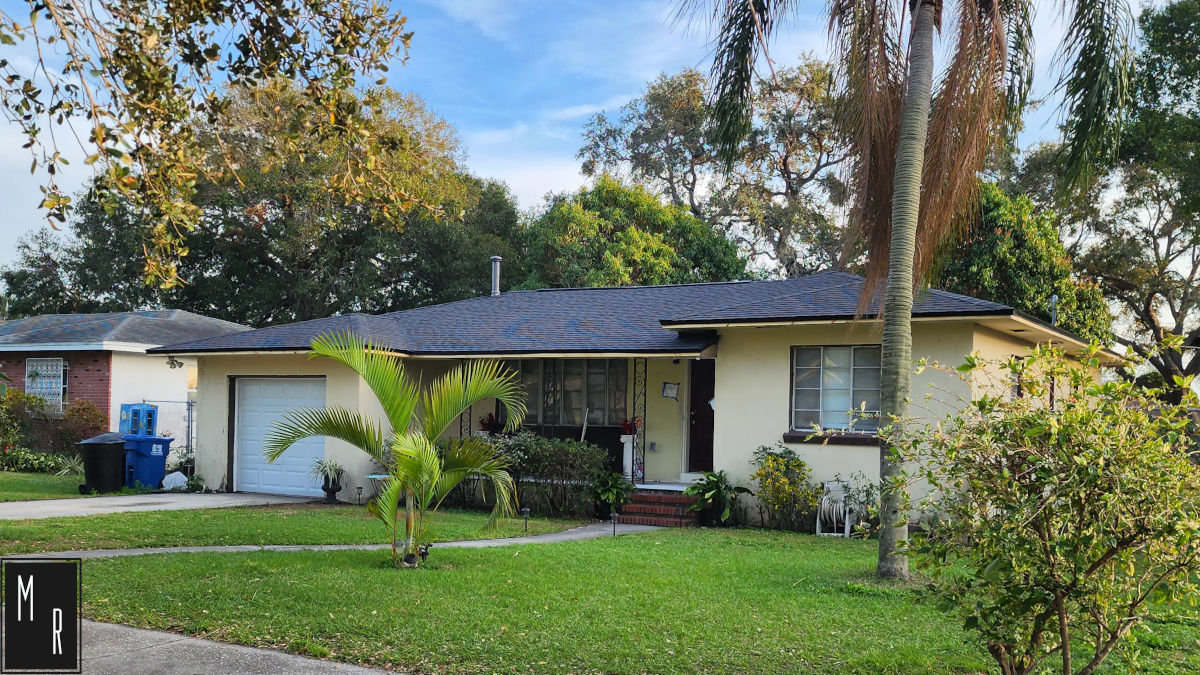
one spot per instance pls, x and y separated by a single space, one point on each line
493 18
573 112
530 175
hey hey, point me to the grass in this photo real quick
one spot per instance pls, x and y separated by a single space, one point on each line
667 601
17 486
259 525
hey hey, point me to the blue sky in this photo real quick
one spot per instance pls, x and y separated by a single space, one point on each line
519 78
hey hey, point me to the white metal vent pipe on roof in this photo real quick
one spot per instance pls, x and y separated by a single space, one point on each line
496 276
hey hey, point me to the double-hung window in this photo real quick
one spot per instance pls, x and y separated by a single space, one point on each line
835 388
46 379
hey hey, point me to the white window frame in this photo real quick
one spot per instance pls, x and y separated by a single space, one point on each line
35 369
820 389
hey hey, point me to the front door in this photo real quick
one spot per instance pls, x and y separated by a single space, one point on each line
701 389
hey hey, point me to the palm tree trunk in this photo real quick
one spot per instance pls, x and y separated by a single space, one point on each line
898 296
408 522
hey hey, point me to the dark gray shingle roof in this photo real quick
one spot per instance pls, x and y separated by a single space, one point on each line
145 328
614 320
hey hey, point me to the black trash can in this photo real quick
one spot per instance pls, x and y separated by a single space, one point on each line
103 463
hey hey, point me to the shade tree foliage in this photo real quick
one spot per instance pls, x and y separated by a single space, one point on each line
272 246
124 85
776 196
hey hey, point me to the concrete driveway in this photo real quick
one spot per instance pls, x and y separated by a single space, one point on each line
174 501
109 648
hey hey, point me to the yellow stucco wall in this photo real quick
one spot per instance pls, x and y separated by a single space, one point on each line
752 405
754 382
342 387
665 418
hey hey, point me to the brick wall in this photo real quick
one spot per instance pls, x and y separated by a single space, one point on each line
89 374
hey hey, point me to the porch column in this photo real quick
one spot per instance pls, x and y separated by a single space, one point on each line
639 420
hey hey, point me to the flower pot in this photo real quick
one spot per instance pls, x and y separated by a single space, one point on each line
331 489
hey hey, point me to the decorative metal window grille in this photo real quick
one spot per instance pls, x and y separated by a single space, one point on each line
46 379
835 388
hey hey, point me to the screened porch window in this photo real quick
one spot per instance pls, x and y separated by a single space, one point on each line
835 388
560 391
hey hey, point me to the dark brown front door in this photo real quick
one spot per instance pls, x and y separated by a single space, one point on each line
701 390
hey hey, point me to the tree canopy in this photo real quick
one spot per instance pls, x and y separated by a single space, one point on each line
611 234
273 246
130 84
1013 254
776 196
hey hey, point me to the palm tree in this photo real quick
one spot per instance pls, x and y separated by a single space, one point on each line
918 147
418 469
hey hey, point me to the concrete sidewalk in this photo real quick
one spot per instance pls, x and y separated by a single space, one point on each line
170 501
111 649
593 531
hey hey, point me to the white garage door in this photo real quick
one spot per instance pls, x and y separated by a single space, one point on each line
260 402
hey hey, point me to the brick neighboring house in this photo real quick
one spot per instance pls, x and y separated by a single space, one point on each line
101 358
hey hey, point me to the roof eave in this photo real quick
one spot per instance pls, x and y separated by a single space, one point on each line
95 346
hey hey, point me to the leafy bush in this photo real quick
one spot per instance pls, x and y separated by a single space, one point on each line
784 489
611 488
24 422
553 476
1058 526
80 420
716 497
19 413
32 461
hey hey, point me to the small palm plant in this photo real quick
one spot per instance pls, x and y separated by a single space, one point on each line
419 471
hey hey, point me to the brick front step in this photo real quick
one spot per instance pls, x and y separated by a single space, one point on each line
660 521
642 497
655 509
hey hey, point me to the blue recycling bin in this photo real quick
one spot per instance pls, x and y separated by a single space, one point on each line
145 459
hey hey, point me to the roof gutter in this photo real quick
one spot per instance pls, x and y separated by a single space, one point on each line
102 346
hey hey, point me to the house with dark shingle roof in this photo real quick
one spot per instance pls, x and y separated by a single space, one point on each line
101 358
674 380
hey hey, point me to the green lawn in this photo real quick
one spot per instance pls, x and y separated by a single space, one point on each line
285 524
667 601
16 486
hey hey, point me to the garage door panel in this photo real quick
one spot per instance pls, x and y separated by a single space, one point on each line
260 403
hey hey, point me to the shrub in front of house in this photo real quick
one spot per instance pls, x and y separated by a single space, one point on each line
1063 516
80 420
19 413
33 461
25 422
787 499
553 476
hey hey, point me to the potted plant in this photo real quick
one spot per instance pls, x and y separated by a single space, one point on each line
716 497
330 473
612 489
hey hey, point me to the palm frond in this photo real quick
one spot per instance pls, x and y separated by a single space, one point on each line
1018 17
473 458
386 506
968 118
450 395
350 426
1096 55
871 69
383 372
743 28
